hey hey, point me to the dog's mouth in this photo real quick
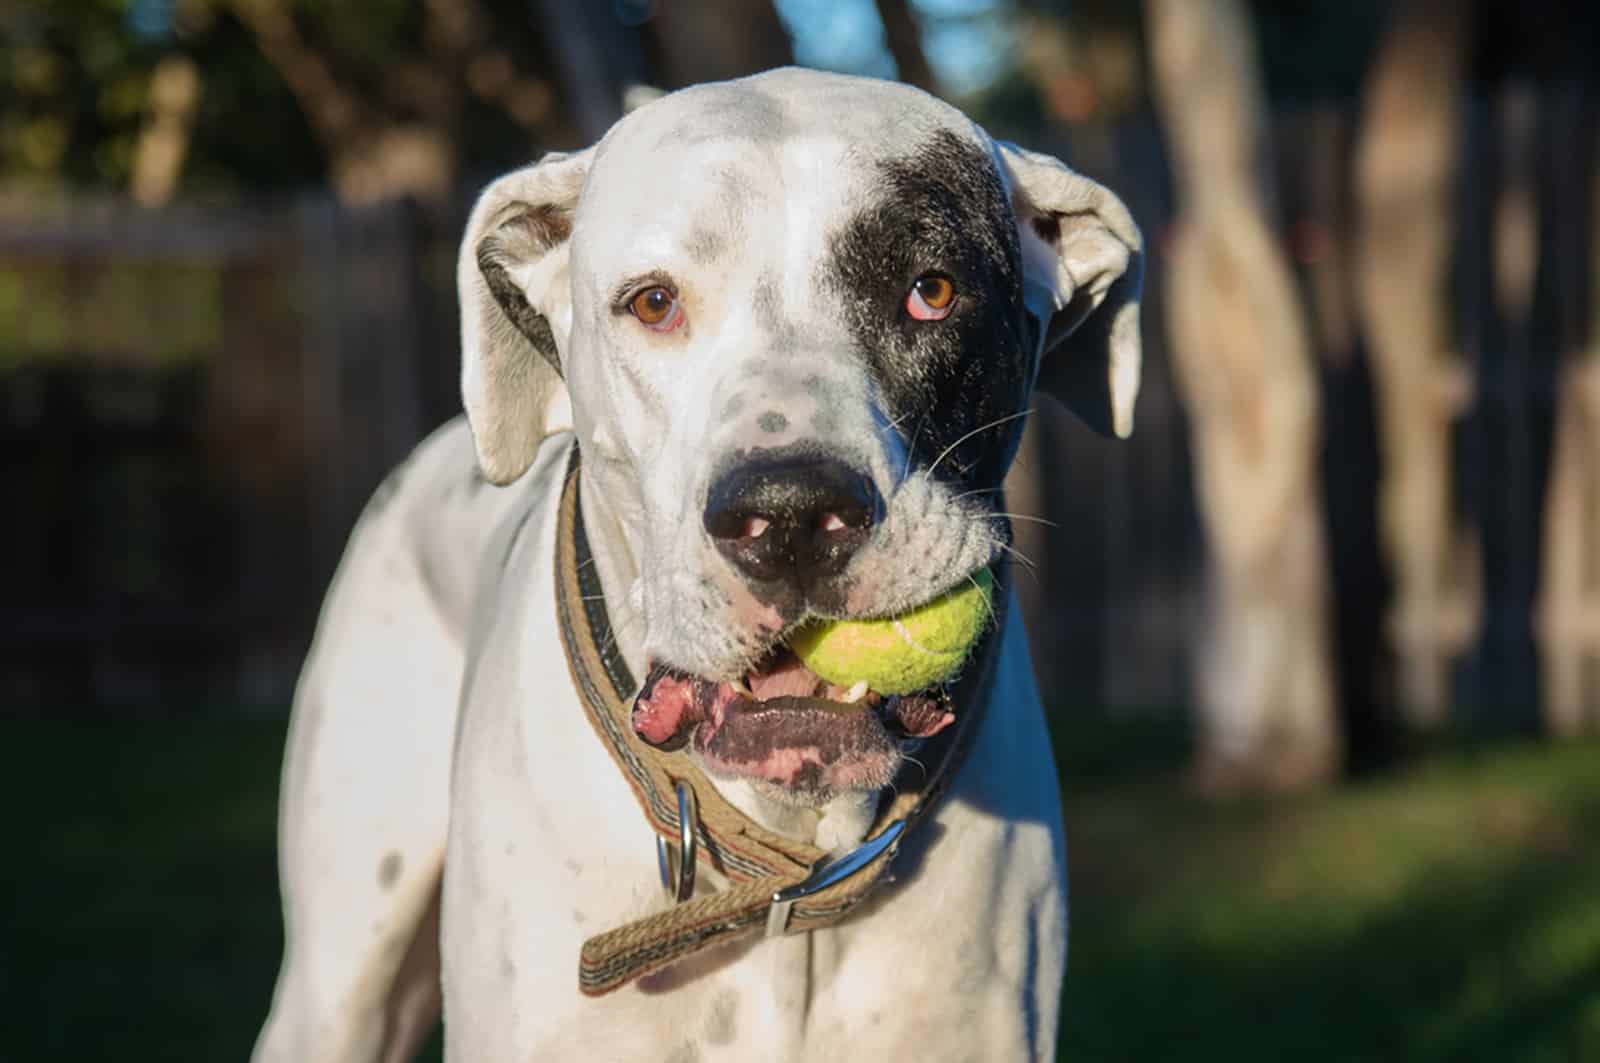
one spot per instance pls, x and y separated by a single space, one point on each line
783 724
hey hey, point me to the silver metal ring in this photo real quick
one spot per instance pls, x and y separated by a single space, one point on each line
677 868
687 811
664 864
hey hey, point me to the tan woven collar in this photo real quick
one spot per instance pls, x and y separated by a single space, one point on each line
774 882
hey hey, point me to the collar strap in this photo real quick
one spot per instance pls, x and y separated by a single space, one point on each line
774 882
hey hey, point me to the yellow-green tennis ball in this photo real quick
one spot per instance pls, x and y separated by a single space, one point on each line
902 654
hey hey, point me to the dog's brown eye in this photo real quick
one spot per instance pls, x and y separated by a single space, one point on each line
931 297
656 308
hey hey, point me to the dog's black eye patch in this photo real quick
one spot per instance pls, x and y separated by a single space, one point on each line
940 209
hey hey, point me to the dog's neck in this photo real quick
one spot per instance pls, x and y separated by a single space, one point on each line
839 825
617 565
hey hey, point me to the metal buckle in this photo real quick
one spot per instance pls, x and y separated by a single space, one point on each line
679 881
829 873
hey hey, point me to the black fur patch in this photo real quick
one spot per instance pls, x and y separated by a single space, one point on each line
526 234
941 209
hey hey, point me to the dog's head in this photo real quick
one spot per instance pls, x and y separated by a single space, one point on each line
798 318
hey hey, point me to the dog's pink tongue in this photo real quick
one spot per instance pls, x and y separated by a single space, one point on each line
784 677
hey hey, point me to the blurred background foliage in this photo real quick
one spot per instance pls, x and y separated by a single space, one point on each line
227 241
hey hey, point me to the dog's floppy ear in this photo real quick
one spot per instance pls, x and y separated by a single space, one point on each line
1083 262
516 309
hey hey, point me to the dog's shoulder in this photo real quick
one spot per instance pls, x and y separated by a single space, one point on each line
436 513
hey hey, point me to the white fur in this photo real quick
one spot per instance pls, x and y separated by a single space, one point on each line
439 635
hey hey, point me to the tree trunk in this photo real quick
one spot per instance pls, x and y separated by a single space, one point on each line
401 139
1405 174
713 40
1568 617
1244 367
904 37
163 144
598 60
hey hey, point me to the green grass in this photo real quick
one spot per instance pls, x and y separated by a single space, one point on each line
1449 913
142 918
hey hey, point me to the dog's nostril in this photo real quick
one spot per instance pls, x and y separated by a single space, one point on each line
845 521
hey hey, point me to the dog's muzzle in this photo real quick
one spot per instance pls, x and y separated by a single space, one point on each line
775 883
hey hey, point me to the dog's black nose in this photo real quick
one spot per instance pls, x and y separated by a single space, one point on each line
791 519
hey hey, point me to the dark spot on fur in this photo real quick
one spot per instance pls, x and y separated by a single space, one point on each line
578 916
772 421
741 113
774 368
735 189
785 340
1048 226
767 302
704 245
734 406
942 208
389 869
721 1020
826 422
688 1052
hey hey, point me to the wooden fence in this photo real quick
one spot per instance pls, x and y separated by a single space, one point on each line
195 404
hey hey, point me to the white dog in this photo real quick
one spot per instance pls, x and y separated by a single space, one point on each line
790 324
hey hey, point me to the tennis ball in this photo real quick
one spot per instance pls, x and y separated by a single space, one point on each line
902 654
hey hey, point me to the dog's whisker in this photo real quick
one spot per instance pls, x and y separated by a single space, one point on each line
911 446
1027 566
988 605
624 618
997 422
1021 516
898 421
1018 555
